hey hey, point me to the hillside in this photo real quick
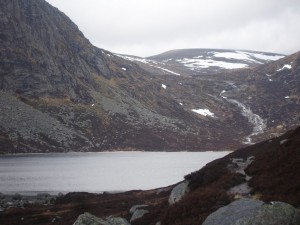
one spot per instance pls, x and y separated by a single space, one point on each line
59 93
267 171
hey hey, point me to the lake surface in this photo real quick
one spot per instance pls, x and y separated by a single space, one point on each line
98 172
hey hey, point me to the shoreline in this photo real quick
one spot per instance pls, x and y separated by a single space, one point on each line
117 151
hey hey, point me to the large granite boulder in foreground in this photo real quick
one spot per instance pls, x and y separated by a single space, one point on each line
254 212
89 219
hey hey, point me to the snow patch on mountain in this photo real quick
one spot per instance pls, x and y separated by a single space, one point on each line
286 66
195 64
263 56
214 59
206 61
269 77
150 62
204 112
169 71
221 94
234 55
164 86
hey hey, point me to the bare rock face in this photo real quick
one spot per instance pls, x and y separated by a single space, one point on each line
254 212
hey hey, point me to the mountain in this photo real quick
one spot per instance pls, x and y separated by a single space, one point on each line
192 62
59 93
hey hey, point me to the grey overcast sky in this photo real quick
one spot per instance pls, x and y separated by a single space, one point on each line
149 27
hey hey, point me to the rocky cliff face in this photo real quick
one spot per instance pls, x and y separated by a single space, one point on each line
60 93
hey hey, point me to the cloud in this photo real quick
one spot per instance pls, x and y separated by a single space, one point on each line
150 27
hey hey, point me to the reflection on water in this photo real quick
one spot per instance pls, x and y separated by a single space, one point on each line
97 172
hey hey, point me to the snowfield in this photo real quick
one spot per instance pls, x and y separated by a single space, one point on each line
216 59
206 63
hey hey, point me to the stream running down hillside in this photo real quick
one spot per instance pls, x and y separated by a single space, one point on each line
258 123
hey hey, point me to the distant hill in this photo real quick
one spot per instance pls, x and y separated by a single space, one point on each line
187 62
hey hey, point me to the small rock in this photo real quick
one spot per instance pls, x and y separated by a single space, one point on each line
41 196
161 190
135 207
283 141
178 192
138 214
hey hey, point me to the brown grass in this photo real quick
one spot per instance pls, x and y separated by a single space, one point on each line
276 170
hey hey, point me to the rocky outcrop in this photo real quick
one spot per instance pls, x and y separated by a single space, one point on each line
178 192
239 166
89 219
254 212
20 201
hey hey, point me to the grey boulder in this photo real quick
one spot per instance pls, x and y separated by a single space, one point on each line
89 219
138 213
117 221
178 192
135 207
254 212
